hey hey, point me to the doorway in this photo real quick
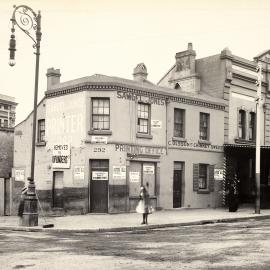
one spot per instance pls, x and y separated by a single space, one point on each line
58 190
177 184
99 178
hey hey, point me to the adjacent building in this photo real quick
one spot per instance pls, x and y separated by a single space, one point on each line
7 122
233 79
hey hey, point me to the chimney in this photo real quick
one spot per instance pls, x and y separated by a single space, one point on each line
140 73
53 77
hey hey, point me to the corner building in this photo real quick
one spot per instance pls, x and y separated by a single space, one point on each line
99 138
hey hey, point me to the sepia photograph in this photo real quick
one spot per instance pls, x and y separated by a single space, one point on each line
135 135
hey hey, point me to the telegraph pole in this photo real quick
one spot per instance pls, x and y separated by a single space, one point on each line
258 137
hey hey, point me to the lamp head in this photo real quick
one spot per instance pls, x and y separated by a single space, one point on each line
12 47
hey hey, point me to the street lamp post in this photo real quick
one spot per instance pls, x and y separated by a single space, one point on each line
29 22
258 138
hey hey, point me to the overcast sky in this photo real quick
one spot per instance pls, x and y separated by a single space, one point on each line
111 37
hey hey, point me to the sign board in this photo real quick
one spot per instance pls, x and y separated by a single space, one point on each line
148 169
99 139
218 174
61 156
78 172
98 175
156 124
119 172
19 175
134 177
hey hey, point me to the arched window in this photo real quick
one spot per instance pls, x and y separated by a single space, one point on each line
177 86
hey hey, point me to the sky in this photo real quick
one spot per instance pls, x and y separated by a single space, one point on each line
85 37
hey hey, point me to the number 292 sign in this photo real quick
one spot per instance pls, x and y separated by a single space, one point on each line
61 156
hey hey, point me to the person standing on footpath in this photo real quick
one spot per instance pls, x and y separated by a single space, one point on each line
144 203
21 205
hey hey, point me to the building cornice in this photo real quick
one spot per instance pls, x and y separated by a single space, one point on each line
169 97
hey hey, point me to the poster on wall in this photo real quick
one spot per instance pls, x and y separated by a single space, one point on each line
218 174
78 172
99 139
61 156
98 175
119 172
148 169
19 175
134 177
156 124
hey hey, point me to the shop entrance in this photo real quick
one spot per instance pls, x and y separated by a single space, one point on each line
99 177
177 184
58 190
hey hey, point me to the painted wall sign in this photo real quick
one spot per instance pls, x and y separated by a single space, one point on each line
156 124
134 177
140 150
140 98
148 169
61 156
193 145
218 174
99 139
19 175
119 172
98 175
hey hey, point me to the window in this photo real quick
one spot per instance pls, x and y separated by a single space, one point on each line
5 123
143 118
179 118
242 124
101 113
251 124
203 172
41 130
5 107
204 126
203 178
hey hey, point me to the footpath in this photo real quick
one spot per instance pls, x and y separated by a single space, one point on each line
132 221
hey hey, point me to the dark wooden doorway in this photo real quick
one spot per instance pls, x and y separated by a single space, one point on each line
177 184
99 178
58 190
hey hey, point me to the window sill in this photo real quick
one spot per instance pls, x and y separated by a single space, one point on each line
137 197
244 141
179 139
144 136
40 143
99 132
203 191
204 142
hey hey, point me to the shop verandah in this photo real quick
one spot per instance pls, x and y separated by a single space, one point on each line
239 162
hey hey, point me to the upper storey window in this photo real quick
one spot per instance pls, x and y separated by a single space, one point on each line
241 124
143 121
204 126
179 123
100 113
41 131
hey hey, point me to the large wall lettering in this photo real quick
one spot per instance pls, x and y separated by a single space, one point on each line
140 98
139 149
194 145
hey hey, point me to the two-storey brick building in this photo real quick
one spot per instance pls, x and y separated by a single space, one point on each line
99 138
